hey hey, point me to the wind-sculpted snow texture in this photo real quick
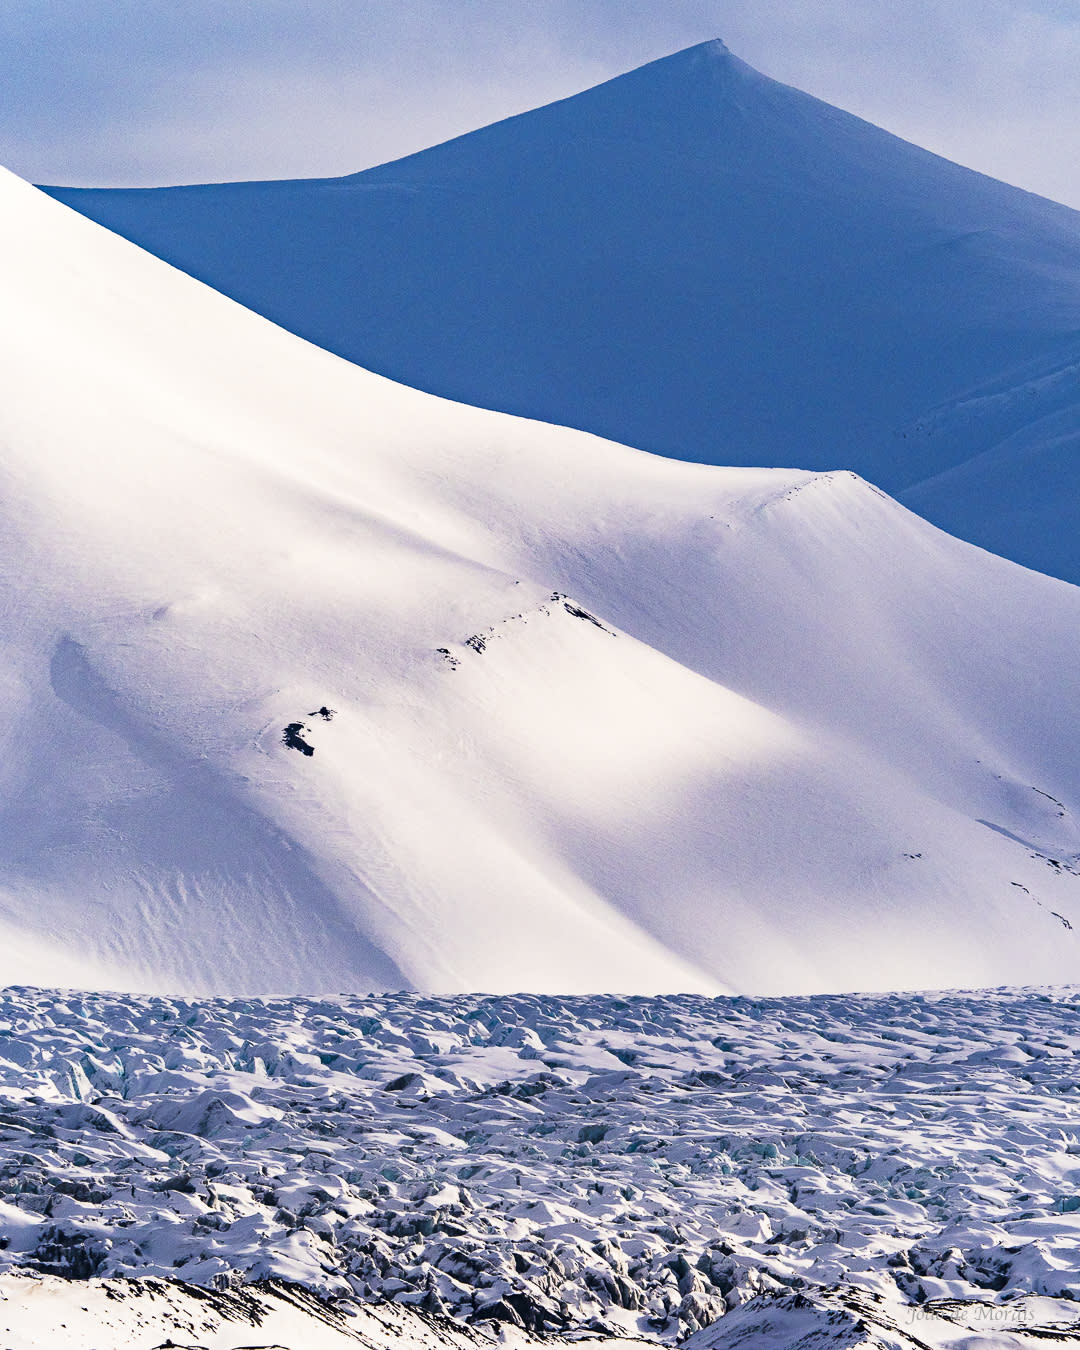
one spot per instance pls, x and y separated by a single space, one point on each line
640 1166
699 261
578 717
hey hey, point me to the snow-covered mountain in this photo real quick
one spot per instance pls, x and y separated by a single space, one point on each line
581 717
701 262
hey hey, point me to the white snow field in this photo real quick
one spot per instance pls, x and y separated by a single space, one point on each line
862 1171
42 1312
582 718
698 261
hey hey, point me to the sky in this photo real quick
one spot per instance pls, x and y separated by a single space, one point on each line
142 92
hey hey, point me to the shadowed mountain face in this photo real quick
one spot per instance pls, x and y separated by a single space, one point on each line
692 259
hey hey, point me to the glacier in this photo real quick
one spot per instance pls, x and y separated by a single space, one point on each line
873 1171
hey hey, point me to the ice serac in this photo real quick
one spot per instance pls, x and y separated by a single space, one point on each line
696 260
311 681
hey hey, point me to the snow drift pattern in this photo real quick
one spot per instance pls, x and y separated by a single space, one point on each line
580 717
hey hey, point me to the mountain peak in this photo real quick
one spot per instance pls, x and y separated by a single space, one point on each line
713 48
704 59
692 258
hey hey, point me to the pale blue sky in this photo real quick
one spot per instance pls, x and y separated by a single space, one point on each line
138 91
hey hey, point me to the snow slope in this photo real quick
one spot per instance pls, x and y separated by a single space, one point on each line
602 720
42 1312
699 261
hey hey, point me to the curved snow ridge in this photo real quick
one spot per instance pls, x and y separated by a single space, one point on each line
750 747
691 258
628 1167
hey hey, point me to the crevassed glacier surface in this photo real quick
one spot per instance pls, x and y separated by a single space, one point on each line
633 1166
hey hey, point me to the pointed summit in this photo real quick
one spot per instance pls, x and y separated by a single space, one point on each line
669 91
666 102
690 258
710 48
700 59
713 47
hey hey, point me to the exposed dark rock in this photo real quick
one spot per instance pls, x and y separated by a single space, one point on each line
294 740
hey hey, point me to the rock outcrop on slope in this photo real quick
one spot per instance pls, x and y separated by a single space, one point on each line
311 682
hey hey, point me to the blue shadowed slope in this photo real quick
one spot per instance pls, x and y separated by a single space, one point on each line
692 259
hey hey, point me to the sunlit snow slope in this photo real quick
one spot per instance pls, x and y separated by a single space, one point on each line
698 261
601 720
